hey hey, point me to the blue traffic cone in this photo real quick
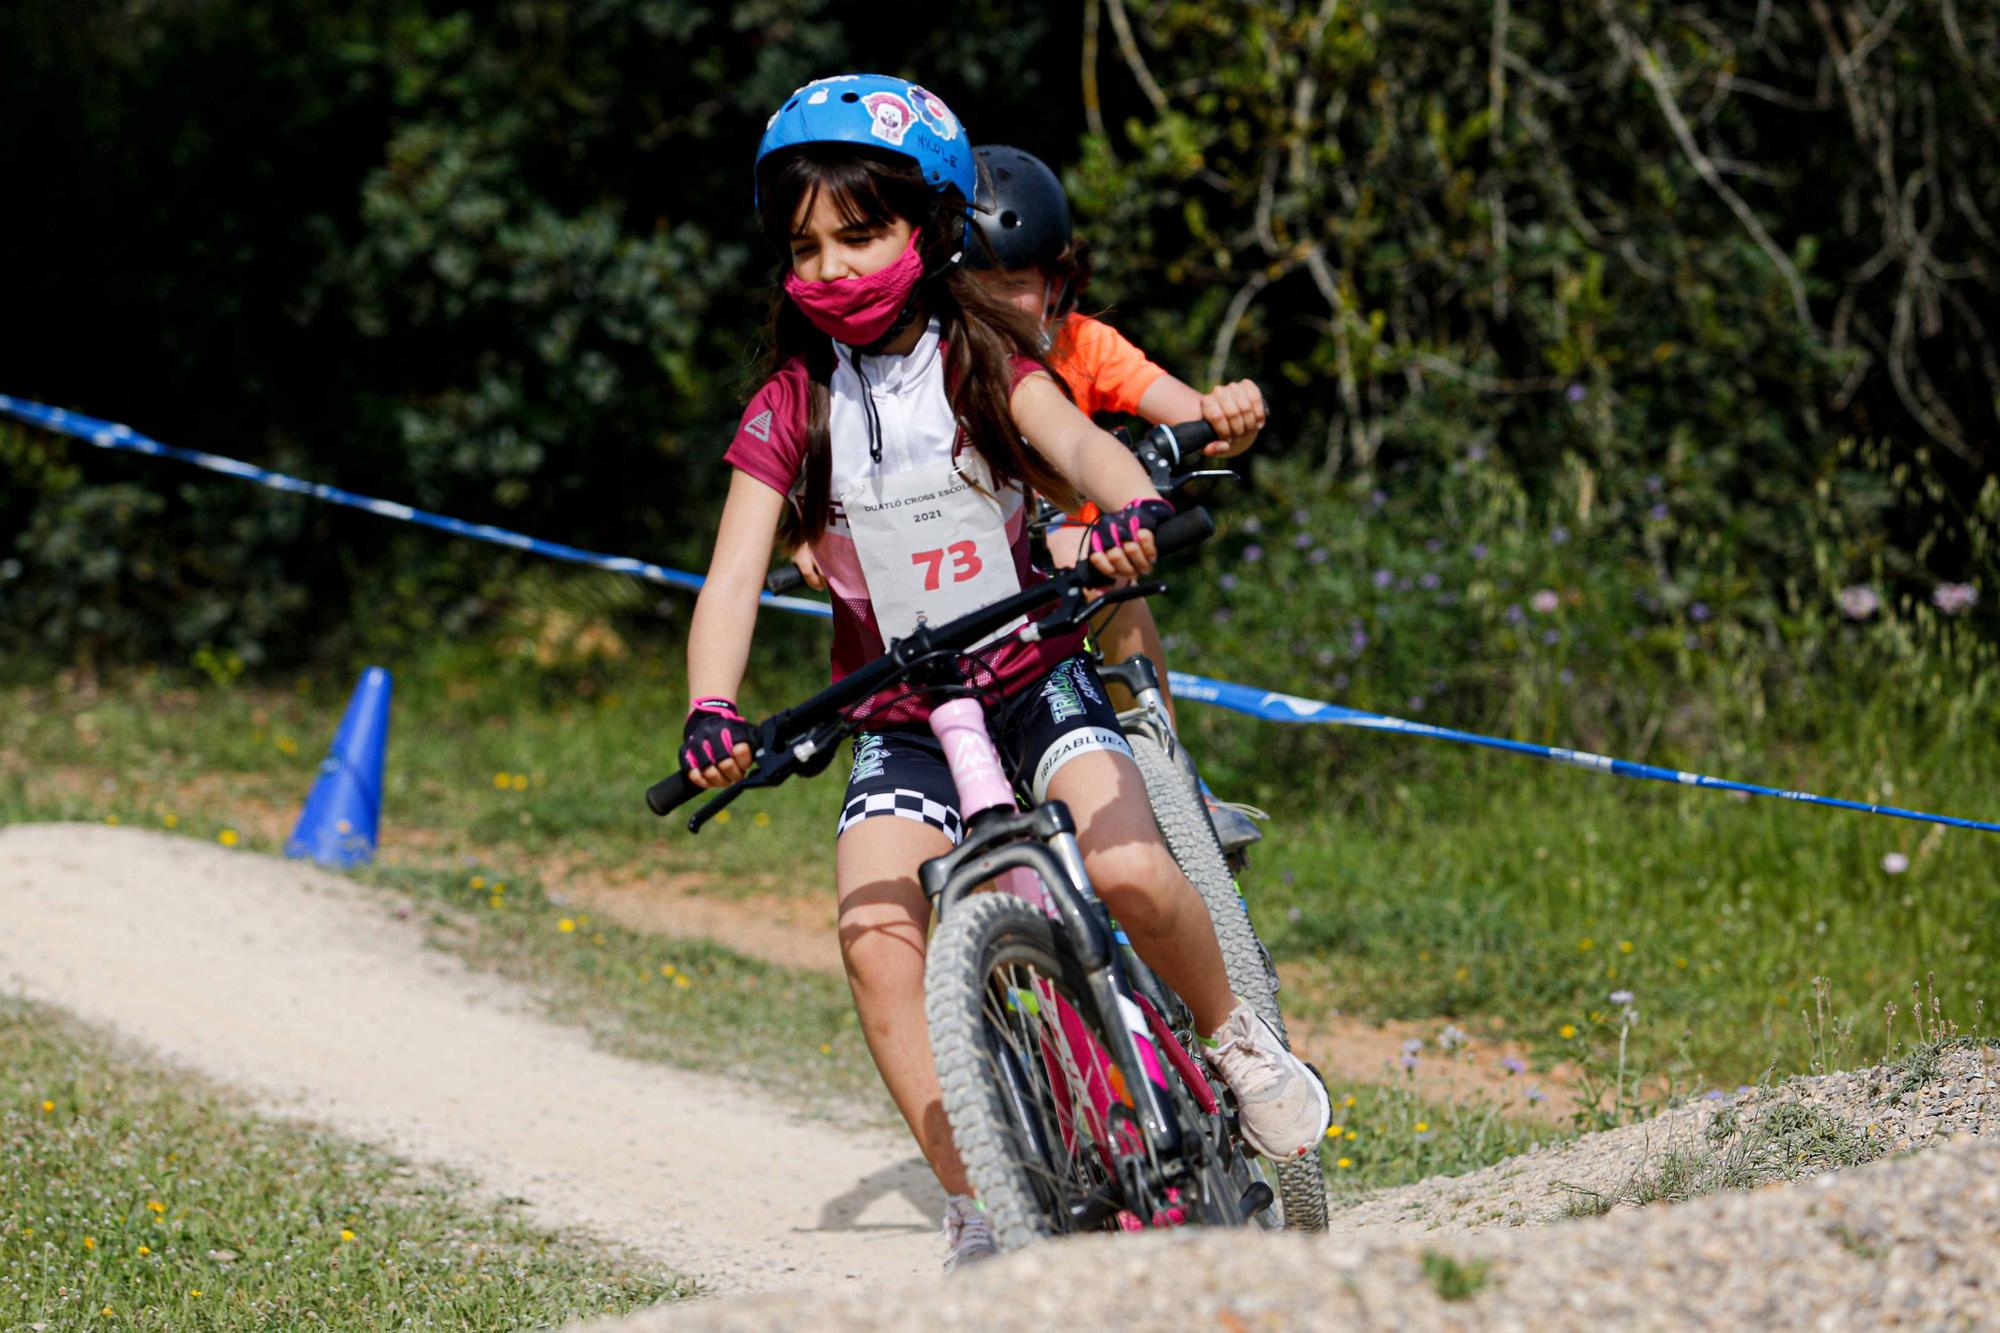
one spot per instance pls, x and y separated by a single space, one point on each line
338 823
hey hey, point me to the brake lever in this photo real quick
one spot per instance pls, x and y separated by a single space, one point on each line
1075 609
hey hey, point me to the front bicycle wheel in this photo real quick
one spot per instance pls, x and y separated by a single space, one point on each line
1299 1182
1034 1102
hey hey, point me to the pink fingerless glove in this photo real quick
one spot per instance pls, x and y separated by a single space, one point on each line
713 728
1113 530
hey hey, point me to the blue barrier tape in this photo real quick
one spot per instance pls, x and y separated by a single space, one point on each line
1269 705
111 435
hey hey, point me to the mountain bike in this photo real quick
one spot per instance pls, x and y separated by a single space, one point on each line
1073 1100
1210 843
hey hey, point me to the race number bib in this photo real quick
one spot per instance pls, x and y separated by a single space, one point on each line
932 544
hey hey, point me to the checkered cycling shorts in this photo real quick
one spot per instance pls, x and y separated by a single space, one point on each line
905 804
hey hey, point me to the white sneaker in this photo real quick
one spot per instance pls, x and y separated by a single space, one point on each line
968 1239
1282 1107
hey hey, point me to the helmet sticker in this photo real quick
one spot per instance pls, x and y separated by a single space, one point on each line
932 108
892 117
816 98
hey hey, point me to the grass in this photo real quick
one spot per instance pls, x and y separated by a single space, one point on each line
133 1196
1388 1134
1454 1279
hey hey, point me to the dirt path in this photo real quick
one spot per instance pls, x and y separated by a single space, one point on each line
306 991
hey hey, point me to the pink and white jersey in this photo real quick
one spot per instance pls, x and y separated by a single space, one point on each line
900 402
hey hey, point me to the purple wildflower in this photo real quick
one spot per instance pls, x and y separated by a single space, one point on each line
1545 601
1252 553
1227 583
1537 1095
1357 640
1429 581
1515 615
1574 393
1513 1064
1412 1045
1383 578
1303 540
1714 1095
1858 601
1301 517
1378 498
1479 550
1320 555
1621 997
1253 525
1552 636
1558 536
1658 513
1476 454
1653 484
1434 545
1955 599
1416 703
1699 612
1566 676
1285 877
1895 863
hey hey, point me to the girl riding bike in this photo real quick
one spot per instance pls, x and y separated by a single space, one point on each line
1024 251
905 417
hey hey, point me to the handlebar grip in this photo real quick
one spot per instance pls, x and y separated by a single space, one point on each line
664 795
1183 530
1191 437
783 579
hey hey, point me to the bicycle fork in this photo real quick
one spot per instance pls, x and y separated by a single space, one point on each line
1034 855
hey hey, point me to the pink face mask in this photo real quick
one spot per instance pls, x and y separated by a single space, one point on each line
857 311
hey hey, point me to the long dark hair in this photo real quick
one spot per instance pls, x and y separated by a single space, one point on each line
983 335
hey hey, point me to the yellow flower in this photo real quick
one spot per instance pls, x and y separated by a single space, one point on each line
476 882
722 817
681 981
196 1293
106 1312
499 888
520 782
170 821
597 938
1584 945
1461 973
286 745
111 820
566 925
48 1105
761 820
345 1235
666 969
90 1242
145 1249
496 901
1347 1101
500 781
1423 955
1680 962
1624 946
583 921
1333 1131
1566 1031
826 1048
1423 1127
155 1206
1350 1136
1344 1163
228 837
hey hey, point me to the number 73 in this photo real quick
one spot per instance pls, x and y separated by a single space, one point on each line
965 563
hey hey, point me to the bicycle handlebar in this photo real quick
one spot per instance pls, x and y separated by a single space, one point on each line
791 731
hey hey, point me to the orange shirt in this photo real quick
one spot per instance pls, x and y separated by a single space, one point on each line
1105 371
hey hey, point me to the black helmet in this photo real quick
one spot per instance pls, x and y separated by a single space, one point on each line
1021 214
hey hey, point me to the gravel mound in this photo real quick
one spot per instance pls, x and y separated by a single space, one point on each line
1913 1238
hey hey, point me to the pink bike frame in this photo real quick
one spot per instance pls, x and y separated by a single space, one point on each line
960 726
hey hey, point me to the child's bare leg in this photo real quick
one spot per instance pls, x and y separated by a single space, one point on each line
1131 629
884 922
1136 877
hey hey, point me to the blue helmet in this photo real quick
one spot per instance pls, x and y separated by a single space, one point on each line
876 111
